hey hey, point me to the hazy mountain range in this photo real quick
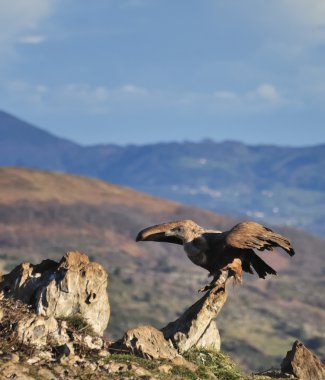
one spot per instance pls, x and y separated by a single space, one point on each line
282 185
43 215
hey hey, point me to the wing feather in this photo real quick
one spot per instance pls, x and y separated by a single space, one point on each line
252 235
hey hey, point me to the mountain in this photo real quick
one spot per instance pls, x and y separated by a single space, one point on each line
22 144
43 215
282 185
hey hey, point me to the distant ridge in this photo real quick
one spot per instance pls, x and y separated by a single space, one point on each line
282 185
23 144
15 130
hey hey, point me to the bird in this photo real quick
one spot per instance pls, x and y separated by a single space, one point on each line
225 254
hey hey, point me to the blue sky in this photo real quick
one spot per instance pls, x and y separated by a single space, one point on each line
143 71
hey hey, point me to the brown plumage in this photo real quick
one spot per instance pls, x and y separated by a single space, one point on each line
219 252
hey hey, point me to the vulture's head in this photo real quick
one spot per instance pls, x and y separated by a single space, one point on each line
177 232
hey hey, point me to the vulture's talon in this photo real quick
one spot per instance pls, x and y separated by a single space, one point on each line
204 289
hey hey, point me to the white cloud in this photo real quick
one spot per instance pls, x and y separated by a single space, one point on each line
32 39
132 89
310 13
265 95
226 95
26 92
268 92
101 99
21 20
84 93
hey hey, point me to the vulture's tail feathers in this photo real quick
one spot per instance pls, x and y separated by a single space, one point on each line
260 266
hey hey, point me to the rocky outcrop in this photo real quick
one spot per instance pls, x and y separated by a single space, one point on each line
39 331
51 338
147 342
302 363
196 327
74 286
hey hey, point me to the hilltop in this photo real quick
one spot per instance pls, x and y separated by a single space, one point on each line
43 214
283 185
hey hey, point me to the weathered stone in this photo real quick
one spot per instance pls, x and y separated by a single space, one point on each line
165 368
113 367
46 374
80 288
15 371
195 327
103 354
46 355
180 361
33 360
73 286
36 330
139 371
302 363
147 342
93 342
13 358
24 280
210 339
63 350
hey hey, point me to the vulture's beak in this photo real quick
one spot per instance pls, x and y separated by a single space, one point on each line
160 233
150 236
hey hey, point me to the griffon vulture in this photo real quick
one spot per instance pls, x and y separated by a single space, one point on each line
223 254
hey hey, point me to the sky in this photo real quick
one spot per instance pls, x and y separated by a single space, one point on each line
147 71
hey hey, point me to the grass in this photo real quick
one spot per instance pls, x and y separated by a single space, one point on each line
210 365
78 324
216 363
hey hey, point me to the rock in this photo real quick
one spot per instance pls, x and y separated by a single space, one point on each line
15 371
196 326
93 342
210 339
103 354
13 358
91 366
302 363
180 361
114 367
36 330
139 371
33 360
46 374
46 355
165 368
73 286
63 350
147 342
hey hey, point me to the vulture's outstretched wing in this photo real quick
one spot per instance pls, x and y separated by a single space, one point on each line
251 235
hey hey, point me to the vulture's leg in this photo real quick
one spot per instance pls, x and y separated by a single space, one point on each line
219 281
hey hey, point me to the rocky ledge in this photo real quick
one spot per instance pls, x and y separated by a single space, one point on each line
52 319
